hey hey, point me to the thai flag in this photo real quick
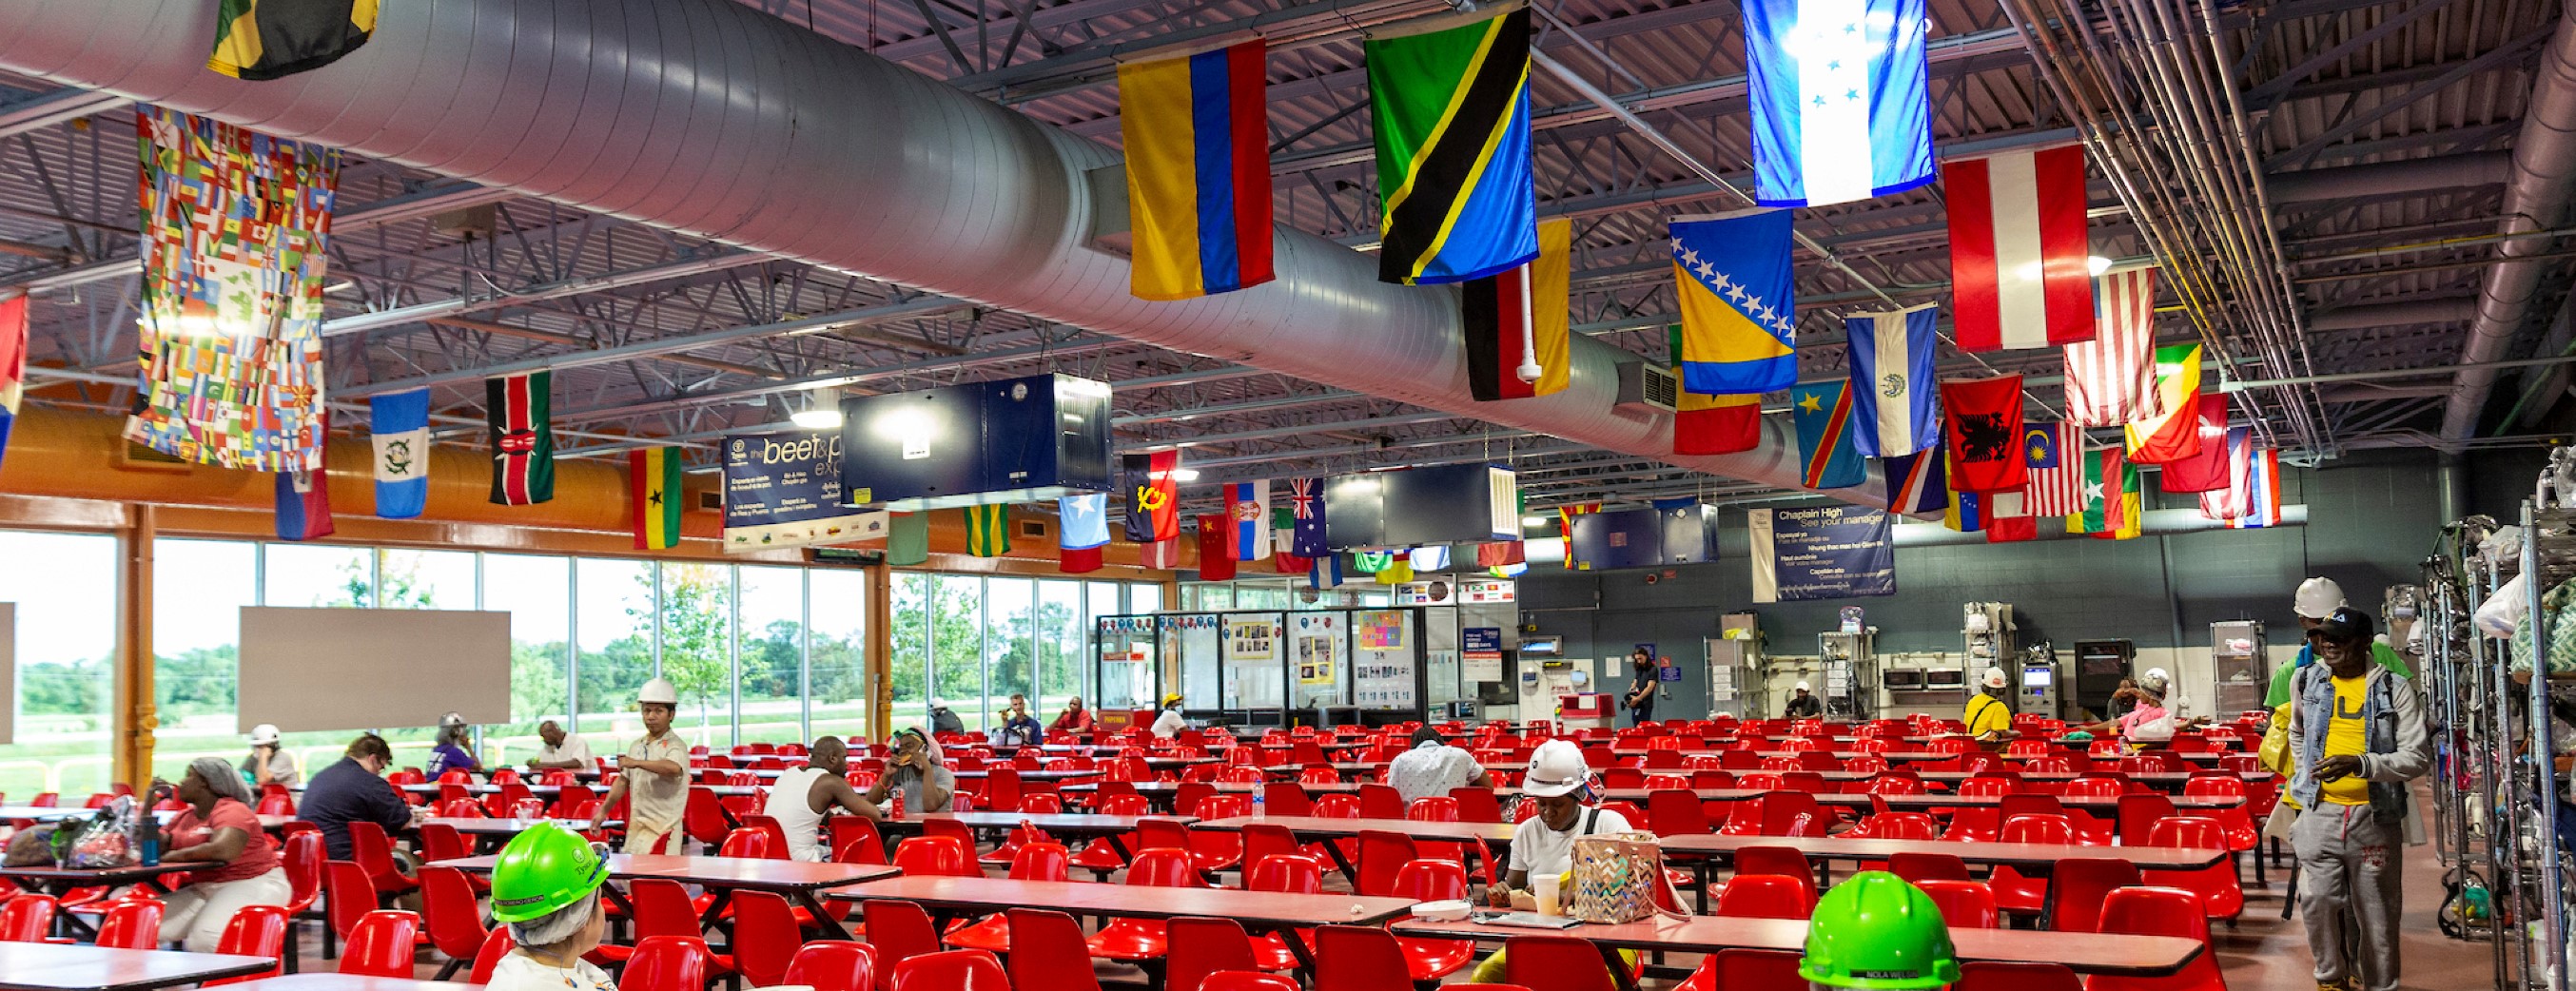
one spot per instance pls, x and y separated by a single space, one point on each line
1839 99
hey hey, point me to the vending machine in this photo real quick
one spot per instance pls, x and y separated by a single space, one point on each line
2040 693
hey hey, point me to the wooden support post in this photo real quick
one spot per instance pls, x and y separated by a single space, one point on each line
136 716
878 666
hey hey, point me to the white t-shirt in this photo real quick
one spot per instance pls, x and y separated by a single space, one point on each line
1169 724
574 748
791 802
1540 850
1429 770
519 972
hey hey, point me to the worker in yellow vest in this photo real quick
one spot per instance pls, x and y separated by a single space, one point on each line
1989 716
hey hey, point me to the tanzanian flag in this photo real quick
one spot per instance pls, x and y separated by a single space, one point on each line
268 39
1197 133
653 480
988 530
1451 111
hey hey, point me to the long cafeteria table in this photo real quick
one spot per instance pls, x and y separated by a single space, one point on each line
1163 793
1316 829
1077 825
76 967
800 881
51 813
1703 851
347 982
1258 911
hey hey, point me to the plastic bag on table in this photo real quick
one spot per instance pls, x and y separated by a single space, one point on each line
2503 610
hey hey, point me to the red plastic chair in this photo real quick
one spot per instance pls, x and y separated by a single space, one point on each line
1145 939
1779 861
495 946
1431 881
992 934
2222 894
1285 873
453 920
1381 854
1558 963
381 945
765 938
935 856
1219 850
1766 896
2140 911
1964 904
1921 867
1477 804
833 965
1676 812
253 931
1201 947
2139 812
951 970
26 917
1047 951
667 963
1361 958
1742 970
2237 821
900 931
129 923
302 856
1243 980
2014 892
2076 889
371 849
1983 975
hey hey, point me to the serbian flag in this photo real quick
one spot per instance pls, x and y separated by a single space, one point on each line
1153 496
2008 519
2111 379
520 411
653 479
1891 359
1197 133
398 427
1515 322
1739 305
1822 413
1984 417
1247 510
13 363
2173 433
1216 547
304 497
2020 274
1712 424
1838 92
1916 483
2206 468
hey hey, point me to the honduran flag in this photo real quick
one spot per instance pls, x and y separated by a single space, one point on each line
1247 511
1840 110
304 497
1197 133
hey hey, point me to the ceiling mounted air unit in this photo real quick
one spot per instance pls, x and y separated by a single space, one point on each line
1645 390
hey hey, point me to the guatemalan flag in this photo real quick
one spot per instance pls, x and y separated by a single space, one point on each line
1891 366
1247 510
1197 134
1739 304
399 423
1839 105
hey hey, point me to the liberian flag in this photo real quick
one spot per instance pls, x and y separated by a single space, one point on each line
2055 454
13 363
1891 365
304 497
1197 132
1247 509
519 409
1840 111
2019 253
2110 380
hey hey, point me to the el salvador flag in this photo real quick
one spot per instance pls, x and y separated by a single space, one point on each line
1891 360
1839 101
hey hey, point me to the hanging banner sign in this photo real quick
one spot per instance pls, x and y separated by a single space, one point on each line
784 490
1824 552
1480 654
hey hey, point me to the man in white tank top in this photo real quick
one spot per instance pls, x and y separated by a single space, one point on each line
801 797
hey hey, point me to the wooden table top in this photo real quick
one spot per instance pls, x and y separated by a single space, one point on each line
2086 953
47 813
1915 803
56 967
1073 823
2008 854
1313 827
720 872
1260 908
110 876
347 982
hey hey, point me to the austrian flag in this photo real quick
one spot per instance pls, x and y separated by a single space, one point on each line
2019 253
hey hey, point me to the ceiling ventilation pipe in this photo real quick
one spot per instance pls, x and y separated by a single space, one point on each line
2535 198
710 118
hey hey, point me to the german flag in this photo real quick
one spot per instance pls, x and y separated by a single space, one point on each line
653 479
1451 109
271 39
1526 305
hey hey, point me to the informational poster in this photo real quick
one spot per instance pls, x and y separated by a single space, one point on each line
1382 669
1382 630
1314 646
1430 593
1480 654
1251 640
1486 591
1314 659
784 490
1822 552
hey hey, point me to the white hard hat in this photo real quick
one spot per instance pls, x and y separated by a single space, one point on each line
658 690
1555 768
2155 680
1802 686
2318 598
264 733
1994 677
451 720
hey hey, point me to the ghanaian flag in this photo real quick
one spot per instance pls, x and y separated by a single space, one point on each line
270 39
653 478
988 530
1451 109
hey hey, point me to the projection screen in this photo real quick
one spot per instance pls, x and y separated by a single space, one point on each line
351 669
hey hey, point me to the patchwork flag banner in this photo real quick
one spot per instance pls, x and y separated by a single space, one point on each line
2206 468
2262 490
2008 519
653 482
1891 365
1163 554
398 425
235 232
520 412
1451 114
1822 413
1516 321
2228 502
1153 495
2053 453
1712 424
13 364
1216 548
1565 529
908 539
1306 505
1916 483
2105 486
1984 418
304 498
1247 510
271 39
988 530
1739 306
2020 274
1082 521
2110 379
2173 432
1840 111
1197 134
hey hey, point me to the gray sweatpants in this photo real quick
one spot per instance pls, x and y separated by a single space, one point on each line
2348 870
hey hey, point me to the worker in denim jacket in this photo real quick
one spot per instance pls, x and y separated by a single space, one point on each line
2357 736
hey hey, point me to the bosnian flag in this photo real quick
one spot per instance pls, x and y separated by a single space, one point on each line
2020 274
1891 370
1247 509
1838 94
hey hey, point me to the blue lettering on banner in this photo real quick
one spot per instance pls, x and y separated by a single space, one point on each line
1832 552
784 490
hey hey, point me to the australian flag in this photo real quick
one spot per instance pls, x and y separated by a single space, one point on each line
1306 502
1840 111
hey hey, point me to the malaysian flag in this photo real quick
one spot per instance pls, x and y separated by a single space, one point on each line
1306 506
2109 379
2055 454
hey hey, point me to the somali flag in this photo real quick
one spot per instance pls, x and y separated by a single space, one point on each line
399 423
1839 102
1197 133
1891 362
1082 521
1739 305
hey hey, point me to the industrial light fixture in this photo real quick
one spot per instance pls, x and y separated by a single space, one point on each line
822 411
2097 264
1185 474
1533 521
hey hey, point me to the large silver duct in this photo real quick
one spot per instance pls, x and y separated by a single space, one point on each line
713 119
2535 198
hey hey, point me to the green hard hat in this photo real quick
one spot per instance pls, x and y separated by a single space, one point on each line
1877 931
542 871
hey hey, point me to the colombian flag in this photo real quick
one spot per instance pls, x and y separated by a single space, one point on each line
1198 172
653 480
1739 307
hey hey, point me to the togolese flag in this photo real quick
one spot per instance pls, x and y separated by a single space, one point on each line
653 481
1451 109
1197 133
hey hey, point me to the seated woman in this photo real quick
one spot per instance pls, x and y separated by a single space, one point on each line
217 828
1543 844
2148 706
545 887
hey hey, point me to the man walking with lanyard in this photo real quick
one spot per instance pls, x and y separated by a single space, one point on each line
2357 736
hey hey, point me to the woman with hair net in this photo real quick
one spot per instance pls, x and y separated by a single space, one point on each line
218 827
545 887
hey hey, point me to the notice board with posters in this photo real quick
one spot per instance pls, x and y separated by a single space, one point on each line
1385 659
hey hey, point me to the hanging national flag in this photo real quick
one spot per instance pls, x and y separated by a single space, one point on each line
1160 554
1371 562
2206 468
2133 506
1891 361
2020 258
2228 502
1565 530
1077 560
2104 509
1966 512
1197 133
1521 311
1247 510
1840 110
1082 521
1984 417
653 483
2262 490
270 39
988 530
2109 379
1283 543
1325 572
2173 433
398 424
2008 519
908 539
1451 115
304 497
520 412
13 364
1306 503
1398 571
1711 424
1822 413
1153 495
1216 547
1739 305
1500 554
1427 559
1916 483
2055 462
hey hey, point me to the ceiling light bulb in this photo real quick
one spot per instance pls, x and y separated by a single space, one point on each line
1185 474
1533 521
2097 264
826 418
